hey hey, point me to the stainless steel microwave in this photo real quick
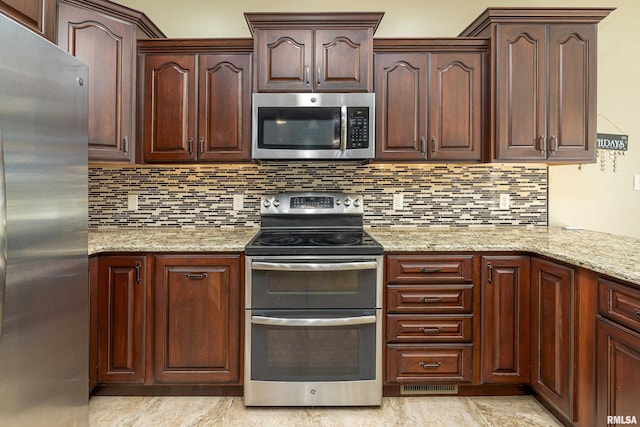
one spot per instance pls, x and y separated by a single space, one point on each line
337 126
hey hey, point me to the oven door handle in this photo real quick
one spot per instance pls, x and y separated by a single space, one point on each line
340 321
332 266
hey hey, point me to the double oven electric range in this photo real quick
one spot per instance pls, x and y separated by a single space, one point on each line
313 298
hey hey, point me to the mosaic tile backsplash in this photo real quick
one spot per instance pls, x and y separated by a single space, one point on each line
203 195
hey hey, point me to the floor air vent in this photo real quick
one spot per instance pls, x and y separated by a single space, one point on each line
429 389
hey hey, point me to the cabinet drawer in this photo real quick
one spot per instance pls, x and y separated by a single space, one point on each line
429 364
429 268
619 303
430 299
409 328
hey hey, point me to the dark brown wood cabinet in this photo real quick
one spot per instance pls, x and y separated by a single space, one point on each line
197 319
196 100
120 318
543 82
430 99
506 301
429 319
93 322
618 352
103 35
552 329
37 15
320 52
168 320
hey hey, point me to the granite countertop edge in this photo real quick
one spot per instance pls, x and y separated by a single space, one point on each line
612 255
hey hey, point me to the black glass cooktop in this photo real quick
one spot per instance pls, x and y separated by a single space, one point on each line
330 242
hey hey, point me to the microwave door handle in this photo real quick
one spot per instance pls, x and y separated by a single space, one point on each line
338 266
343 128
340 321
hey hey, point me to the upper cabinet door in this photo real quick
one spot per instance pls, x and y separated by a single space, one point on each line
313 52
342 60
224 111
572 92
455 106
107 46
401 105
284 60
37 15
521 87
169 108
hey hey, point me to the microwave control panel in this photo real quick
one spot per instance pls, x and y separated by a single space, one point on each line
358 127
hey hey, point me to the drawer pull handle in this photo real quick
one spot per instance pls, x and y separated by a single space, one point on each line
430 330
430 365
430 269
430 300
196 276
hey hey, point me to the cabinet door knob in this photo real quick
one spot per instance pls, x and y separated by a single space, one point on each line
434 144
541 144
490 273
201 145
306 75
318 78
553 144
190 145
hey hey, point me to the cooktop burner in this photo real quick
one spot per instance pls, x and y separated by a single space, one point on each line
313 242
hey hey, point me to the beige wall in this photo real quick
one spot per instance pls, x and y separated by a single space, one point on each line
586 197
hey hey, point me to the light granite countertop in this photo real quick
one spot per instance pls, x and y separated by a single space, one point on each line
616 256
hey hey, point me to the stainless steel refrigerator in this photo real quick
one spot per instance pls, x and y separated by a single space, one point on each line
43 233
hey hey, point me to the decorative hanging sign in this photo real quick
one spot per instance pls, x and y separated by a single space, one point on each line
615 145
609 141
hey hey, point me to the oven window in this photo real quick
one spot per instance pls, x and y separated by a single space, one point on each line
313 289
313 353
312 128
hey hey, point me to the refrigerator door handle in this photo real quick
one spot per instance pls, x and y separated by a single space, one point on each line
3 235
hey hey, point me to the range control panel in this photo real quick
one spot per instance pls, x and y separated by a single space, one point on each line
311 203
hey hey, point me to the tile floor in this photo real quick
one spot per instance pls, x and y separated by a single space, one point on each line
421 411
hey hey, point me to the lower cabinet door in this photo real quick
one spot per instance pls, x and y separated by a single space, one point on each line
618 374
120 307
197 319
424 363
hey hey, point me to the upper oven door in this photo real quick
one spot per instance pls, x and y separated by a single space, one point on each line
301 283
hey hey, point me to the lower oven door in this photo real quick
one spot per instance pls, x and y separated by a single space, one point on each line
313 358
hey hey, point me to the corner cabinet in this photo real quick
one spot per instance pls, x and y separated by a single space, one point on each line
543 82
618 360
103 35
196 100
197 319
37 15
317 52
430 99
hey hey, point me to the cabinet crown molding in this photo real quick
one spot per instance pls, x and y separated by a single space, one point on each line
529 15
294 20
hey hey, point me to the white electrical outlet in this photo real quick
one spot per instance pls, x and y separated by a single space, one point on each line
505 201
238 202
398 202
132 202
636 182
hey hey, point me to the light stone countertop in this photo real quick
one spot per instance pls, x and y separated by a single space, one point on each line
616 256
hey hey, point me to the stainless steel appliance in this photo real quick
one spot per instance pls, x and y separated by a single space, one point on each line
313 301
43 233
338 126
